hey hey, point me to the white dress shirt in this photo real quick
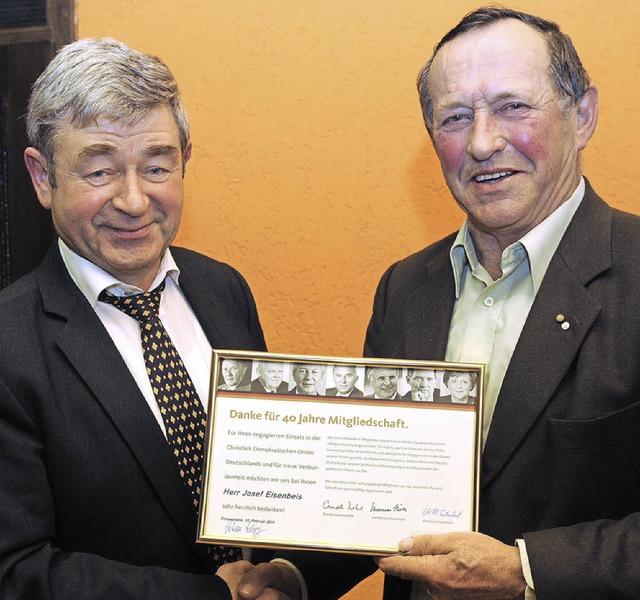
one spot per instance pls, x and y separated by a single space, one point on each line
175 313
178 319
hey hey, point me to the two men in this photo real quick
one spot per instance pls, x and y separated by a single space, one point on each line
539 284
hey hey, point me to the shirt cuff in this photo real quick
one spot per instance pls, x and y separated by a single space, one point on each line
303 586
529 593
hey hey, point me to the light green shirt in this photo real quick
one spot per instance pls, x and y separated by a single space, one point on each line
488 315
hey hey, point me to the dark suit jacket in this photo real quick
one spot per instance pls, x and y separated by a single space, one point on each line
355 392
560 465
92 503
257 387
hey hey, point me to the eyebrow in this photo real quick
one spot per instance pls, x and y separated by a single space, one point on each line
96 150
463 103
162 150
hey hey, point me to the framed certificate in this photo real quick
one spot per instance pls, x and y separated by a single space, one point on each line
337 454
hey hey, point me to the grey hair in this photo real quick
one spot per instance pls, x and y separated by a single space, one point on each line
411 371
568 75
99 78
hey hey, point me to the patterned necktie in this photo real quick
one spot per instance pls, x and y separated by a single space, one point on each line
182 412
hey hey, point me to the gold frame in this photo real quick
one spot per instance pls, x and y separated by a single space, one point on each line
231 535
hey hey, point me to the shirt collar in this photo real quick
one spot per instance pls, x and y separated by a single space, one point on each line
540 243
462 254
91 279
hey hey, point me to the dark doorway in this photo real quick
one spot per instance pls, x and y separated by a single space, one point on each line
30 33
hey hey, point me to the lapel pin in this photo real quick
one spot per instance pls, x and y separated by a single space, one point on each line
564 324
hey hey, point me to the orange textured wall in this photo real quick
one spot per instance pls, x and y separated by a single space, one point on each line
311 170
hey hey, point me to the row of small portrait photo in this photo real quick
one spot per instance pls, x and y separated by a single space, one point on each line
350 381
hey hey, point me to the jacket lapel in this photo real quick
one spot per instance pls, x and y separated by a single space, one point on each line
426 310
546 349
91 352
216 312
211 316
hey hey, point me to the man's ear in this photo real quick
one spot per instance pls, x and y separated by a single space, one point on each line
587 117
186 156
37 167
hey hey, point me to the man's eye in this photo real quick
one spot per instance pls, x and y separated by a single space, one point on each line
514 107
157 174
100 177
456 121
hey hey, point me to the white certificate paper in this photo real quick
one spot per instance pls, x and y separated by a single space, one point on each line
341 474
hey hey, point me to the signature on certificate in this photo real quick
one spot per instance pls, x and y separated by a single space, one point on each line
348 506
253 529
445 513
232 527
388 509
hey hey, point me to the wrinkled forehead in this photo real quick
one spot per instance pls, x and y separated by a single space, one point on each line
423 373
344 370
379 372
508 53
230 363
460 376
153 120
270 367
308 367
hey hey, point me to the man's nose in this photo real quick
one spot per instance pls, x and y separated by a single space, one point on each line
130 197
486 136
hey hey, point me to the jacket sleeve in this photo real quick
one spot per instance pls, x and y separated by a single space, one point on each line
600 559
373 343
33 566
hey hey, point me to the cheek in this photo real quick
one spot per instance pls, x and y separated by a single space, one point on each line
169 197
535 141
451 150
76 206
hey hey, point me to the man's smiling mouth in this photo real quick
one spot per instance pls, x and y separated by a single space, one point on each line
492 176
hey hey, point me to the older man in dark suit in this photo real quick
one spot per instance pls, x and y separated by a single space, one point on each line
345 378
541 284
308 379
106 343
270 378
234 375
422 384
